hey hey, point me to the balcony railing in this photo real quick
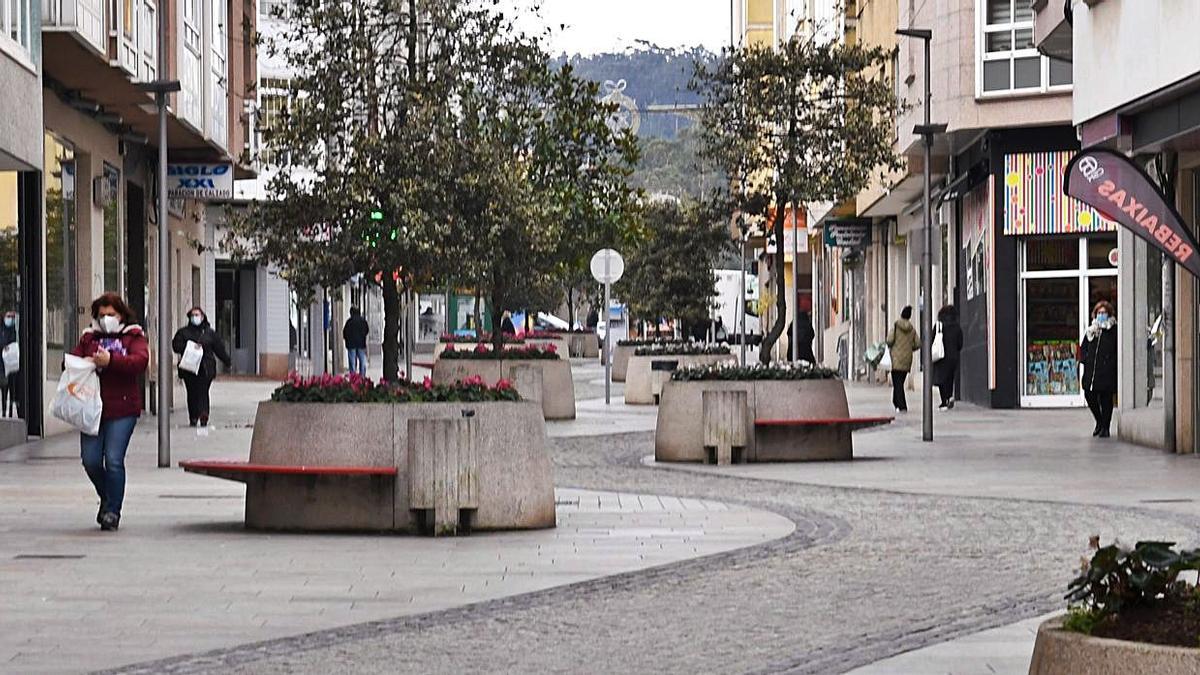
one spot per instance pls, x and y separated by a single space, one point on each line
85 17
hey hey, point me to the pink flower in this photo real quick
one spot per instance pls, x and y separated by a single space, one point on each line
503 384
480 348
428 383
552 349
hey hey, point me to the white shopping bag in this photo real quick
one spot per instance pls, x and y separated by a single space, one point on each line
12 358
193 354
938 349
885 363
77 401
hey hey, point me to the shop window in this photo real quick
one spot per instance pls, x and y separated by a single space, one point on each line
1052 253
62 324
1009 62
1102 253
110 189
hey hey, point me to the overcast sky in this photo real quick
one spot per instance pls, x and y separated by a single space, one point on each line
594 26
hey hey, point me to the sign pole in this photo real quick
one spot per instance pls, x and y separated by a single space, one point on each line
607 341
795 338
164 262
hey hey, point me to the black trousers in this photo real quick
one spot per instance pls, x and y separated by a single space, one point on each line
898 400
947 392
1101 405
197 396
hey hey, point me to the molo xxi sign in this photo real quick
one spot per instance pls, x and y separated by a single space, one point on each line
200 181
1119 189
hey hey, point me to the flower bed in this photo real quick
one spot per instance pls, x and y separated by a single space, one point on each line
737 373
355 388
543 334
448 338
484 353
645 342
681 349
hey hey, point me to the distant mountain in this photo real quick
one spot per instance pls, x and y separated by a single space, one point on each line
653 76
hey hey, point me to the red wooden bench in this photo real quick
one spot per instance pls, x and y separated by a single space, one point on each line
242 471
793 440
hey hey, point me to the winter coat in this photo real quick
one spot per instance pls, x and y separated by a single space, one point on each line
902 341
7 337
206 337
946 368
120 390
1098 355
355 332
807 335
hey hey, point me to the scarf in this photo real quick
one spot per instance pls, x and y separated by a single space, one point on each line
1093 330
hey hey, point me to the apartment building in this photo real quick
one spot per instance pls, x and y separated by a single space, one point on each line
78 163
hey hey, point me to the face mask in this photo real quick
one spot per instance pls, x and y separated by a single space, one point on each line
197 319
110 324
1102 317
9 321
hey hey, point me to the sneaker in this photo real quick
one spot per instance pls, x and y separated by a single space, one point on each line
944 406
109 522
100 514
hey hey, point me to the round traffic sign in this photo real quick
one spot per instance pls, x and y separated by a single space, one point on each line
607 266
1114 257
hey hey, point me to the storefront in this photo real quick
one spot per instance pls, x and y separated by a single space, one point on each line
1067 262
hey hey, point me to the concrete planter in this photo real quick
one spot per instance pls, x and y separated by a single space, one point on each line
560 344
514 488
464 346
679 434
1059 651
551 385
620 365
584 345
639 378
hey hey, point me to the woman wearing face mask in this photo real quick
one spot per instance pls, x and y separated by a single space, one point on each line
118 348
199 331
12 380
1098 356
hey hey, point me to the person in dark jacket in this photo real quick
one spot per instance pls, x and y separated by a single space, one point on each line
12 380
1098 356
807 335
355 334
120 351
506 325
902 341
199 331
945 369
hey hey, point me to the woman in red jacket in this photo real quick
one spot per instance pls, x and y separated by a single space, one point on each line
119 349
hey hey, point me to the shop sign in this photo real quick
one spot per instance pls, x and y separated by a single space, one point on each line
1122 192
848 233
203 182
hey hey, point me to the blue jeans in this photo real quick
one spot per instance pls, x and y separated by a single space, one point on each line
358 361
104 460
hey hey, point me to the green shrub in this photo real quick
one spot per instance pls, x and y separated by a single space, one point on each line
645 342
734 372
1117 578
354 388
483 353
681 349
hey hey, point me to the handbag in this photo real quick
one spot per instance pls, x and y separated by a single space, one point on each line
77 399
938 349
193 354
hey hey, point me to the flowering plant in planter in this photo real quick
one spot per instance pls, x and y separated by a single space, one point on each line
735 372
354 388
682 349
645 342
450 338
543 334
483 352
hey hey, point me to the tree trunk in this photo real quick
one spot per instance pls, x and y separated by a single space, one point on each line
391 329
496 312
769 340
478 312
570 308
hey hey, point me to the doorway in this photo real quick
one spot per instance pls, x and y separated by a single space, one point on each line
237 314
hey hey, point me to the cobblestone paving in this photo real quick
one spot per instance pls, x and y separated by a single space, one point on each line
867 574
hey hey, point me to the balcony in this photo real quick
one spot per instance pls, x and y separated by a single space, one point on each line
81 20
1052 29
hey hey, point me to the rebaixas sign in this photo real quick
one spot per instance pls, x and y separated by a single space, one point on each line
200 181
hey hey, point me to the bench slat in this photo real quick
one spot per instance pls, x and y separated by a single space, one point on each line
235 470
851 421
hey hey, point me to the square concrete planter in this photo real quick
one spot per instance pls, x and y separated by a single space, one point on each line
514 487
556 393
679 434
639 378
1057 651
561 346
584 345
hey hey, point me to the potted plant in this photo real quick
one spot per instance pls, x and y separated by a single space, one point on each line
469 341
538 372
625 348
1128 612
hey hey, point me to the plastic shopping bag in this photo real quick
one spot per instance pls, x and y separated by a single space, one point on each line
938 349
12 358
193 354
885 363
77 401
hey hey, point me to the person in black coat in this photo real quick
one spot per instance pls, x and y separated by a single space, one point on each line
355 333
199 331
12 381
1098 357
945 369
807 335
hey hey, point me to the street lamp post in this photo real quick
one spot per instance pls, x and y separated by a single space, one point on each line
927 131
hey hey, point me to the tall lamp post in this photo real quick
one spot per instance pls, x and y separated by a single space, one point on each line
926 131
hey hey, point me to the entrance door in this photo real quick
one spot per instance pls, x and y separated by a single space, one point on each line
1062 278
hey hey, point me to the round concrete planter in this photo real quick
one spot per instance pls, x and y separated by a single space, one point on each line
1059 651
639 382
620 365
583 345
552 386
514 489
679 433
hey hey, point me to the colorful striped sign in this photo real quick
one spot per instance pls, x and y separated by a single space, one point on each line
1034 202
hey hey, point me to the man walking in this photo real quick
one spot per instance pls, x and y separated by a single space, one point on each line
355 334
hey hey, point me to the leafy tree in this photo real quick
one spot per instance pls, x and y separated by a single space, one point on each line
809 122
541 173
674 167
670 274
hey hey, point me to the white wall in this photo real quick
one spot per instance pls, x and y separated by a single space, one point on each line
1126 49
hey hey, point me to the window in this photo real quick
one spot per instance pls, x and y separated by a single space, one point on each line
273 106
15 26
191 25
275 9
1009 62
111 185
